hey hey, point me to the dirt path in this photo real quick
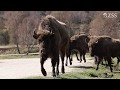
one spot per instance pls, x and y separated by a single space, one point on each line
21 68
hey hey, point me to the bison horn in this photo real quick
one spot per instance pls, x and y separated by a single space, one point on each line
35 35
34 31
86 40
96 41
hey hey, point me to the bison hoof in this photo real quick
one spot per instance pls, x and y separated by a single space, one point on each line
70 59
66 64
44 72
111 70
53 75
57 72
70 63
63 71
84 61
95 62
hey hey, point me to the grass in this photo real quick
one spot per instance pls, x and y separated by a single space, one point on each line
87 73
91 73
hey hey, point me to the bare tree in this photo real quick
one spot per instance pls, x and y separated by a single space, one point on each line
14 20
28 25
105 23
75 19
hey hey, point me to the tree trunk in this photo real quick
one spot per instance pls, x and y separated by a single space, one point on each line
18 48
28 48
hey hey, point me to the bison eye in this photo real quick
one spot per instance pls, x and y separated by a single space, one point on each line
47 26
40 40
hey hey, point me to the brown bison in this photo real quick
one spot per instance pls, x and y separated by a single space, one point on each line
92 40
79 43
53 38
106 47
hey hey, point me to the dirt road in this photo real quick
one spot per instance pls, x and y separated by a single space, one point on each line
21 68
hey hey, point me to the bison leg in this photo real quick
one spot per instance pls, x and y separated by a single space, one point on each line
76 55
117 65
53 61
42 67
80 57
106 62
66 61
70 60
57 69
62 59
84 57
96 59
71 55
68 56
109 63
99 60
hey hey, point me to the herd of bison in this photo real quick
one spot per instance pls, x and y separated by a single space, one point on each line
54 39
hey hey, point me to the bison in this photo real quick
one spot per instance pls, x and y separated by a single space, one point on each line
53 38
94 39
106 47
79 43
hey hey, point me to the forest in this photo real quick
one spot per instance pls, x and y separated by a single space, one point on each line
16 27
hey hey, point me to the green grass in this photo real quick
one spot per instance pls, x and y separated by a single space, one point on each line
91 73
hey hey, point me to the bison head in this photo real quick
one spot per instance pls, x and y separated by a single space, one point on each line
94 48
87 39
45 24
45 39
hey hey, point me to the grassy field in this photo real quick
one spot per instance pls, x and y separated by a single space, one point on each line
87 73
102 73
91 73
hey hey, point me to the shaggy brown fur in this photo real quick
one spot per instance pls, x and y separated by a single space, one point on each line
79 43
59 42
106 47
95 38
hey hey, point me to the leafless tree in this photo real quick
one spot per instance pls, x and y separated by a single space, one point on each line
105 23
